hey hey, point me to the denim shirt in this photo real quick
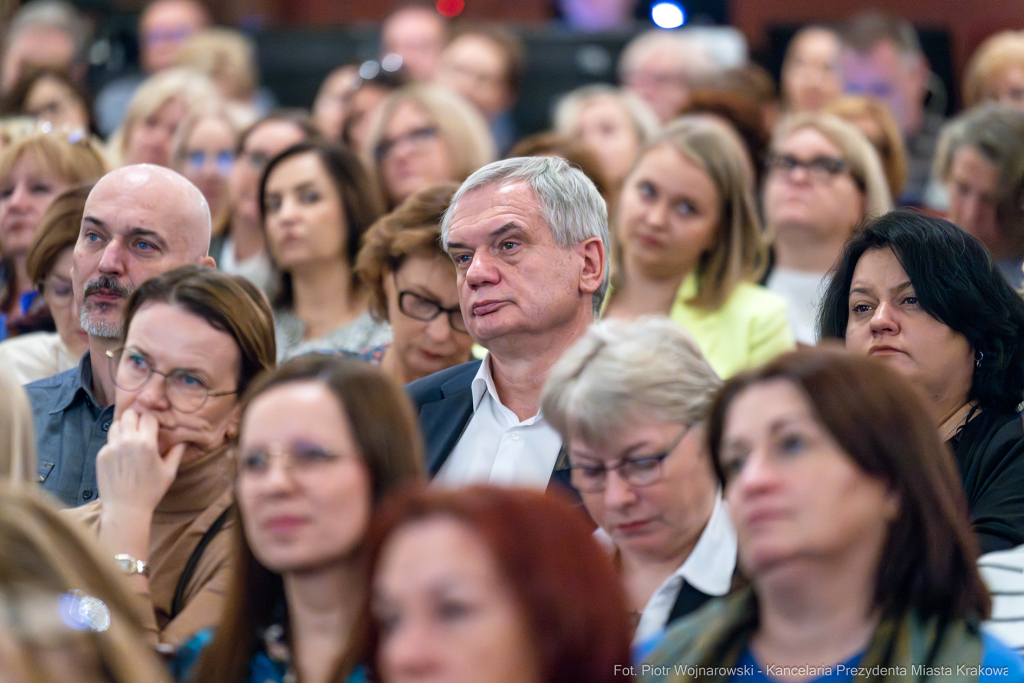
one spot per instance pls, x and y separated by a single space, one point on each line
71 427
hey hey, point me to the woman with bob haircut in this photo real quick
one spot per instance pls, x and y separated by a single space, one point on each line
823 178
875 119
994 71
323 440
630 400
691 246
317 202
526 595
411 285
852 530
164 475
424 134
923 296
64 612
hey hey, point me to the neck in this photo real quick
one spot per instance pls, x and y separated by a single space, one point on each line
323 298
952 417
392 366
323 610
247 237
21 283
102 386
643 292
808 250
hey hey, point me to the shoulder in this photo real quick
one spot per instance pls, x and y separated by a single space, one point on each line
433 387
756 301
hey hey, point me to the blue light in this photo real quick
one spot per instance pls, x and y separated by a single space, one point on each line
668 14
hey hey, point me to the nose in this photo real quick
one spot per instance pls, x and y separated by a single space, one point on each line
756 476
439 330
152 395
481 270
19 199
884 319
112 260
408 652
618 493
657 214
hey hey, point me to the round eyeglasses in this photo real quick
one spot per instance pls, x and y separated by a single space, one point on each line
640 470
184 390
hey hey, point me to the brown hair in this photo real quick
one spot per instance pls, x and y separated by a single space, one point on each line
58 230
73 159
892 151
996 54
878 419
555 144
573 603
385 428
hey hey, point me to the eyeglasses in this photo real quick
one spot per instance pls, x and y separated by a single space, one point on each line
257 160
416 137
420 308
130 369
223 160
301 458
641 470
819 169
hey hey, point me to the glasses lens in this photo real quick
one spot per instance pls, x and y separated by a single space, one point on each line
458 323
588 478
185 391
129 369
641 471
417 307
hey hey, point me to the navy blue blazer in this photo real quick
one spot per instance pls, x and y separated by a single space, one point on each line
444 403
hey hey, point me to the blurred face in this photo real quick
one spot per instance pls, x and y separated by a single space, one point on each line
150 139
606 129
25 194
303 489
476 67
1008 87
444 611
305 222
974 194
163 28
208 156
661 520
796 497
332 100
263 142
812 74
658 79
887 322
53 101
171 338
885 74
669 214
810 203
418 36
362 108
412 153
425 346
36 45
60 299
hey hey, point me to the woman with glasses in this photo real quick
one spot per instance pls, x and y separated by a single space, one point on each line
323 440
204 152
317 203
823 179
422 135
193 340
630 400
691 246
411 282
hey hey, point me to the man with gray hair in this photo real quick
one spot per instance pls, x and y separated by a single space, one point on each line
45 33
139 221
527 237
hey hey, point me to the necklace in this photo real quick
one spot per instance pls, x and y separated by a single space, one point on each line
959 422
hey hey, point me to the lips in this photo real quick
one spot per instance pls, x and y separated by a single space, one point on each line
283 524
484 307
631 528
883 350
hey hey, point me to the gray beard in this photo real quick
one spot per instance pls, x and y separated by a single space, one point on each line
98 328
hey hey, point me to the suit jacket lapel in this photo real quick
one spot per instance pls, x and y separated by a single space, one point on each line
442 423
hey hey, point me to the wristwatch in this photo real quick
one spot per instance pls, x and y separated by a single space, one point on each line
130 565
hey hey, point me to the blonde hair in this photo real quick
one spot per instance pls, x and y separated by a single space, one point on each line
994 55
81 161
571 106
17 438
226 56
892 151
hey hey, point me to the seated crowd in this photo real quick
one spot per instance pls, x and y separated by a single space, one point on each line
669 393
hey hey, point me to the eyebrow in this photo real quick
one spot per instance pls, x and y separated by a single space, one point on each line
497 232
132 232
899 287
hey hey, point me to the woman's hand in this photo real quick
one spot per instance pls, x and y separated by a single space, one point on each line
130 471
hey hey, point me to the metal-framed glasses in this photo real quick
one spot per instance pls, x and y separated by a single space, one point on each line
423 309
638 470
821 169
185 390
416 137
299 458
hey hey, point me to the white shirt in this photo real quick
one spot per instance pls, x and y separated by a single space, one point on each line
257 269
803 292
1003 573
496 447
31 357
708 568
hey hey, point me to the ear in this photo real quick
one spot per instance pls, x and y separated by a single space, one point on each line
234 422
207 262
593 265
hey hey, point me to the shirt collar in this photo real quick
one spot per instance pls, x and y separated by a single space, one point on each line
79 380
483 385
710 565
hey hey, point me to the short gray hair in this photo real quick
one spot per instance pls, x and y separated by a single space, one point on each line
568 201
623 370
55 14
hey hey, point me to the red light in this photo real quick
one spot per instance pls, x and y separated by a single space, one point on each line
450 8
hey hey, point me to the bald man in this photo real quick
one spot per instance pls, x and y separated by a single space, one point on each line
139 221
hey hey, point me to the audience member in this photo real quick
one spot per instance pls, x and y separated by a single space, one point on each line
742 114
39 355
323 440
411 285
851 529
317 202
555 145
139 221
923 296
824 178
542 604
333 100
486 63
239 245
17 441
417 33
527 237
691 246
631 398
874 118
995 72
423 135
980 162
204 152
365 101
164 509
812 73
44 33
661 66
34 170
882 58
50 96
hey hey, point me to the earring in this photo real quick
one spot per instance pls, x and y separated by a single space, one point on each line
978 358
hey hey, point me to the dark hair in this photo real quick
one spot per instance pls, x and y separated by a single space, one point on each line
385 428
564 582
229 303
58 230
299 118
361 202
14 103
957 283
879 420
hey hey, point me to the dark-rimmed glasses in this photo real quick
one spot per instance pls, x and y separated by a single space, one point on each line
423 309
642 470
821 169
185 391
